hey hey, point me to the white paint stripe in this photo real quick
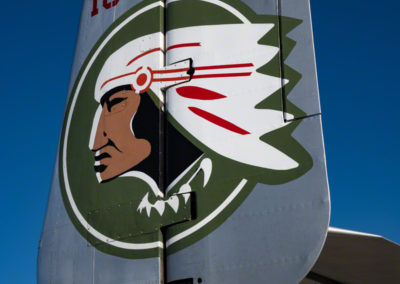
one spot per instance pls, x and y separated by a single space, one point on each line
94 126
182 174
93 231
230 9
206 220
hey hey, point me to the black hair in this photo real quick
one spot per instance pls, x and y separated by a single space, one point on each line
146 125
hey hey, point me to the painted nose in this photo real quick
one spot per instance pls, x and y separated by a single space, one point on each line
101 138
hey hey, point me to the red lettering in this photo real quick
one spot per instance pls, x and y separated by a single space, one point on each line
95 10
106 4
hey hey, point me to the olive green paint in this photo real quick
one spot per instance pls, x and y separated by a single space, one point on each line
111 207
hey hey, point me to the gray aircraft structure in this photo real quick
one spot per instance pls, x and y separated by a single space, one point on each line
191 149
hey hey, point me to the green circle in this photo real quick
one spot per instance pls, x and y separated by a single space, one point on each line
111 208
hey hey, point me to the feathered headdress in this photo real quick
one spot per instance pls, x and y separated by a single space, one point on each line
217 102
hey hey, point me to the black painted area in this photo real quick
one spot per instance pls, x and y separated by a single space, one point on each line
182 281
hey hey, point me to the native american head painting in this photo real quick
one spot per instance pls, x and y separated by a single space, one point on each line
210 120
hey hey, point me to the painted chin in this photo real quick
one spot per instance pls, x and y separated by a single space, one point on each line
101 164
108 172
110 162
109 166
99 169
105 176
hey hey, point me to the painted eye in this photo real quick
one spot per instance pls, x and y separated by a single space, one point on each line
117 104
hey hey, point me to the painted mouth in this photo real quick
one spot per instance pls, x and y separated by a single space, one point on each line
102 156
100 168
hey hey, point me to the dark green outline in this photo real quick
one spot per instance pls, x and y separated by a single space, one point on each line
254 174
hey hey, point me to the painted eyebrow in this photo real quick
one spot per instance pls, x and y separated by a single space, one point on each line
107 95
113 102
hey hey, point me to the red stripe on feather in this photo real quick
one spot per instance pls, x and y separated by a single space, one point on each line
218 121
198 93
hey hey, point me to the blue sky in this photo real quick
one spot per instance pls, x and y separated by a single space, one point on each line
357 47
